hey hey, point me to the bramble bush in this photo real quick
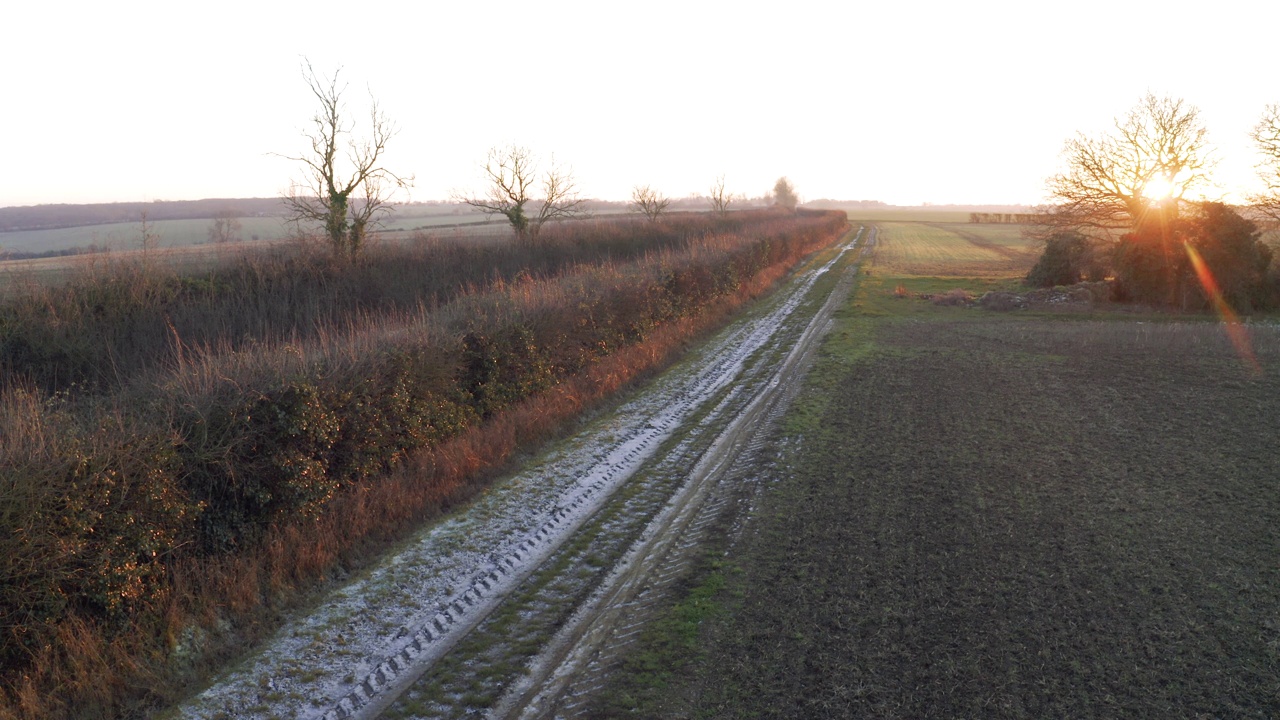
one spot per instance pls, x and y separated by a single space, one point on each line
91 517
1068 258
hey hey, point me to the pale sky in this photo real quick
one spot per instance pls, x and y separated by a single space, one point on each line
904 102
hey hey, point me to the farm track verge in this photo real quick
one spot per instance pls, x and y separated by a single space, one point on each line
368 643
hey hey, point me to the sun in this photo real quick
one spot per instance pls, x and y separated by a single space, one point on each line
1158 189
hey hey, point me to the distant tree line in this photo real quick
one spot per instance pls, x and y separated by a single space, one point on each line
89 249
52 217
1006 218
829 204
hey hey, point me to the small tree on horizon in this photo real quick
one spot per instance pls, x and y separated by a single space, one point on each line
649 201
720 198
224 227
345 187
511 173
784 194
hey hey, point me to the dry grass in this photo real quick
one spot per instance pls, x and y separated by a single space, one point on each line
121 316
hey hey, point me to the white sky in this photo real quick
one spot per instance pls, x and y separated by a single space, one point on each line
905 102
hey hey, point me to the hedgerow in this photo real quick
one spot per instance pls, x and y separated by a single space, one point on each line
211 480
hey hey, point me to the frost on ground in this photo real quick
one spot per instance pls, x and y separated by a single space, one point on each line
373 637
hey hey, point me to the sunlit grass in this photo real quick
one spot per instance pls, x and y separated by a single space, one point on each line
955 250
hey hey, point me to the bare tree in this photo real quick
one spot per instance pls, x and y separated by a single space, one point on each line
1266 134
560 199
784 194
148 238
345 187
224 227
650 202
511 174
1158 154
720 198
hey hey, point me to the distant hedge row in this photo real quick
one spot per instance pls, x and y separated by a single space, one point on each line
120 316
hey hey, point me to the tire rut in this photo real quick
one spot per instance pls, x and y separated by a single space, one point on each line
567 677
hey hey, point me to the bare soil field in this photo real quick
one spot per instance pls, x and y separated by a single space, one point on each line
998 516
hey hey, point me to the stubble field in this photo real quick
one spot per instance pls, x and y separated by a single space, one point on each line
998 516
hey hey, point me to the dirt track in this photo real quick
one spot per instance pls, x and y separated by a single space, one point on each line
582 654
519 603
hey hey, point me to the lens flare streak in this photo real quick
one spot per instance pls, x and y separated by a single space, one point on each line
1236 331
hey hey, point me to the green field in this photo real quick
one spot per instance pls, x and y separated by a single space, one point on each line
192 253
954 250
127 236
995 515
902 214
182 233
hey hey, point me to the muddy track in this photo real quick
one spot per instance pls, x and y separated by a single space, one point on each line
542 566
564 678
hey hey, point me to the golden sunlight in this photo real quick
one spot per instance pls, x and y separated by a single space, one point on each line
1158 188
1236 332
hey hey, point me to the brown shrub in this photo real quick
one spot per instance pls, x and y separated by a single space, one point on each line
952 297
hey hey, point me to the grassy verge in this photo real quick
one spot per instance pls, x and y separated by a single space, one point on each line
1006 516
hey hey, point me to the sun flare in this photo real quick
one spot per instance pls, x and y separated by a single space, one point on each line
1158 189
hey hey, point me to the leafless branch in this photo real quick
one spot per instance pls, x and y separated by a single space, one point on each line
720 198
1101 190
650 202
1266 135
347 194
510 176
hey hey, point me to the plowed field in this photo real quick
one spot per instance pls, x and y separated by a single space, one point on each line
995 516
